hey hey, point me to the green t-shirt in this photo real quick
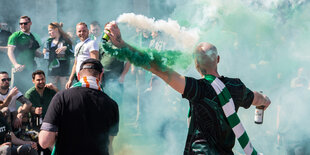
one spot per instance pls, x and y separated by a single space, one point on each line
25 47
40 101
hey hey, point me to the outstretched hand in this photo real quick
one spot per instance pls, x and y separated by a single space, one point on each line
112 30
261 100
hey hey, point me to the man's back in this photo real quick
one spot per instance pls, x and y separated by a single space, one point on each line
209 131
85 118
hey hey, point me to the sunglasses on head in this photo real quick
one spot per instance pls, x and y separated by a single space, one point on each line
26 23
6 79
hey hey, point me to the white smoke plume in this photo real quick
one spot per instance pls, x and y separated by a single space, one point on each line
187 37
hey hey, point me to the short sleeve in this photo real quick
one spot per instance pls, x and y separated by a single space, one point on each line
94 46
192 89
54 111
12 39
18 95
28 95
248 97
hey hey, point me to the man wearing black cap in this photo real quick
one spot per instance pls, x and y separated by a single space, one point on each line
84 117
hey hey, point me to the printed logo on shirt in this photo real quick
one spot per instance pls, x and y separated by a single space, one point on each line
2 129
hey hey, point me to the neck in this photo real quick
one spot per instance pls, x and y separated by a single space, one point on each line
82 39
214 73
40 91
28 32
3 91
56 38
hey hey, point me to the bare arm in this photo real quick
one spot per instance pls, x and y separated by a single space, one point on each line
46 138
51 86
12 56
260 100
18 141
26 104
71 75
8 99
174 79
94 54
6 102
111 152
125 71
44 50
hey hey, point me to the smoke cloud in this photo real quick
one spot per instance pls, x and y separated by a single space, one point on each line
264 43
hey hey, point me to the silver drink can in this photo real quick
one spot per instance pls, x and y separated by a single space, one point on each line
47 55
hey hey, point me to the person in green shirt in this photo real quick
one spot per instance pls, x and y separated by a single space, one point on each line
22 48
40 96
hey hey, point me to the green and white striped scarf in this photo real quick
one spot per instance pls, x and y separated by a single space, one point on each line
88 82
228 107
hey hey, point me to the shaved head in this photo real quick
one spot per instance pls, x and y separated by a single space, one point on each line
206 57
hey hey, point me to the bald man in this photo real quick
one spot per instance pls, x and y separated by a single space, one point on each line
209 130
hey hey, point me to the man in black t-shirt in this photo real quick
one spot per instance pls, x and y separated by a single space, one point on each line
10 144
85 118
209 131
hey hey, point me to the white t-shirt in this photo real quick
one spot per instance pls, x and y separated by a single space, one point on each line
82 51
12 105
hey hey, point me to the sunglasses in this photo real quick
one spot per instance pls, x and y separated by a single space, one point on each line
6 79
26 23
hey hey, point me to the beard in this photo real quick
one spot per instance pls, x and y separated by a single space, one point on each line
40 86
5 87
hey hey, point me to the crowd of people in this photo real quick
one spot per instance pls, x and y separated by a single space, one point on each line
58 50
73 103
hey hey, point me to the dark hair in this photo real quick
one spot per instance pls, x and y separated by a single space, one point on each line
93 66
37 72
25 17
62 33
4 72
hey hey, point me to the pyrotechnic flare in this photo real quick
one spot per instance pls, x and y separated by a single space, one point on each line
186 37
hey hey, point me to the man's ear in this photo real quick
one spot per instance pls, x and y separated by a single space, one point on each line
218 59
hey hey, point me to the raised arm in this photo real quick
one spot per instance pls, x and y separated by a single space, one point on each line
125 71
174 79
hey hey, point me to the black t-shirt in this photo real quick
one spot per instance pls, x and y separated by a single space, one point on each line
85 119
209 131
4 128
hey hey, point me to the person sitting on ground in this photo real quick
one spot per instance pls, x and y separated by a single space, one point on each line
11 145
9 96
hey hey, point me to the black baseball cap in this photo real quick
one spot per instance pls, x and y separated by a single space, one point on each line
96 65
